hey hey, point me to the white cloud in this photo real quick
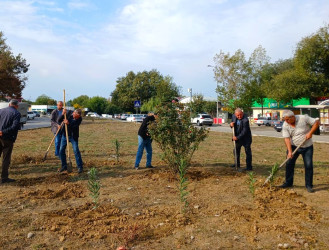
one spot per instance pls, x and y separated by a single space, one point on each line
80 5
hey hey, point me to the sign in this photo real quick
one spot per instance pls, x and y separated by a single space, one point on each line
137 104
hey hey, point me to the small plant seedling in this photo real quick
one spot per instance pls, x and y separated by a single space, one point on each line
273 172
117 146
252 181
94 186
183 184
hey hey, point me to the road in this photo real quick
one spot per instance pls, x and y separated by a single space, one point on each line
266 131
37 122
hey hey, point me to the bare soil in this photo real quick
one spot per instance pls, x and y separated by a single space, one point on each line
141 209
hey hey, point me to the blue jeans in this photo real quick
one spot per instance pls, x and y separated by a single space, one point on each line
307 154
75 146
147 144
58 140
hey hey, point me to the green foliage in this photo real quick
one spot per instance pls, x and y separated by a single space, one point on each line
80 101
183 193
45 100
98 104
197 105
143 86
251 182
12 71
151 104
117 146
175 135
273 172
94 186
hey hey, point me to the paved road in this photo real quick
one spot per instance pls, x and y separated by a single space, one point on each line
267 131
37 122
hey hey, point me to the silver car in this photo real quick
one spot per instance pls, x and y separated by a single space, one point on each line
135 118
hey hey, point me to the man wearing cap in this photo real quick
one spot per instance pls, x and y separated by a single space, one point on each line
145 141
298 130
55 125
9 126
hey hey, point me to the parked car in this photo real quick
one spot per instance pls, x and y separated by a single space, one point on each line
264 121
274 122
106 116
117 116
278 126
30 115
135 118
123 116
37 114
93 114
202 119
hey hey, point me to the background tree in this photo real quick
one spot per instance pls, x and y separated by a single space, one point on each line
44 100
80 101
142 86
197 104
12 71
98 104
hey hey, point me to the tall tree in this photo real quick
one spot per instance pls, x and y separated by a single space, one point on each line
98 104
80 101
45 100
142 86
12 71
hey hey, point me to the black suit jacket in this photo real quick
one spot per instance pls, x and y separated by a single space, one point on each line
242 132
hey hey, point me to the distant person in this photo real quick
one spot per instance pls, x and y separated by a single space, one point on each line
73 122
145 141
242 137
9 126
295 130
55 125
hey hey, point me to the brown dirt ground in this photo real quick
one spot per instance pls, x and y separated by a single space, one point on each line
141 209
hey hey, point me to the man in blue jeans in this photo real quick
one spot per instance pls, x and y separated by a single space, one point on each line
298 130
73 122
145 141
55 125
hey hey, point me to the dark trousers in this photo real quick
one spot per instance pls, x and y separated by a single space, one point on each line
6 148
247 149
307 154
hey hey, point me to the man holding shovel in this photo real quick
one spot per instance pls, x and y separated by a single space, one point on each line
242 137
73 122
297 131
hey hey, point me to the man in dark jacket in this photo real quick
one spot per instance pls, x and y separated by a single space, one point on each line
9 126
55 125
242 137
145 141
73 122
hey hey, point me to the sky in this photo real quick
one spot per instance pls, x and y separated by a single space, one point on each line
84 46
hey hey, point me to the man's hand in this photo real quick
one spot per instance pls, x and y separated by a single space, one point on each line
58 126
234 138
232 124
0 133
66 121
308 136
289 155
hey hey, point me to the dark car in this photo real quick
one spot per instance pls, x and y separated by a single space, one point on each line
37 114
278 126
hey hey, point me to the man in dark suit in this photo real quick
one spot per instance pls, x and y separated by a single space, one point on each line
55 125
9 126
242 137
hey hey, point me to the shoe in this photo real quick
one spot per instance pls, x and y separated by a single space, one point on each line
310 189
61 170
136 168
149 166
80 170
7 180
285 185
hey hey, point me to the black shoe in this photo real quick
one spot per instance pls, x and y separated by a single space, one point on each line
285 185
61 170
7 180
310 189
149 166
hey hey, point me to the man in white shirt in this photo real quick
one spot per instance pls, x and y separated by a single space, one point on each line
298 130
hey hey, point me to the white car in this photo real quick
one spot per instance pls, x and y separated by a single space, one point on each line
106 116
135 118
93 114
202 119
30 115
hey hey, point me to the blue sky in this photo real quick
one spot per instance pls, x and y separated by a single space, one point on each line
84 46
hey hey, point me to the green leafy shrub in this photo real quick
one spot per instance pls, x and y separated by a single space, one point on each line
94 186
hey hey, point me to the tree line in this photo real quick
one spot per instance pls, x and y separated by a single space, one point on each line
242 81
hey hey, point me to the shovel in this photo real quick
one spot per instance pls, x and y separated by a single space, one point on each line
235 156
44 158
293 153
69 165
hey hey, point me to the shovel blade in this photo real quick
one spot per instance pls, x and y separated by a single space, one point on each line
69 166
